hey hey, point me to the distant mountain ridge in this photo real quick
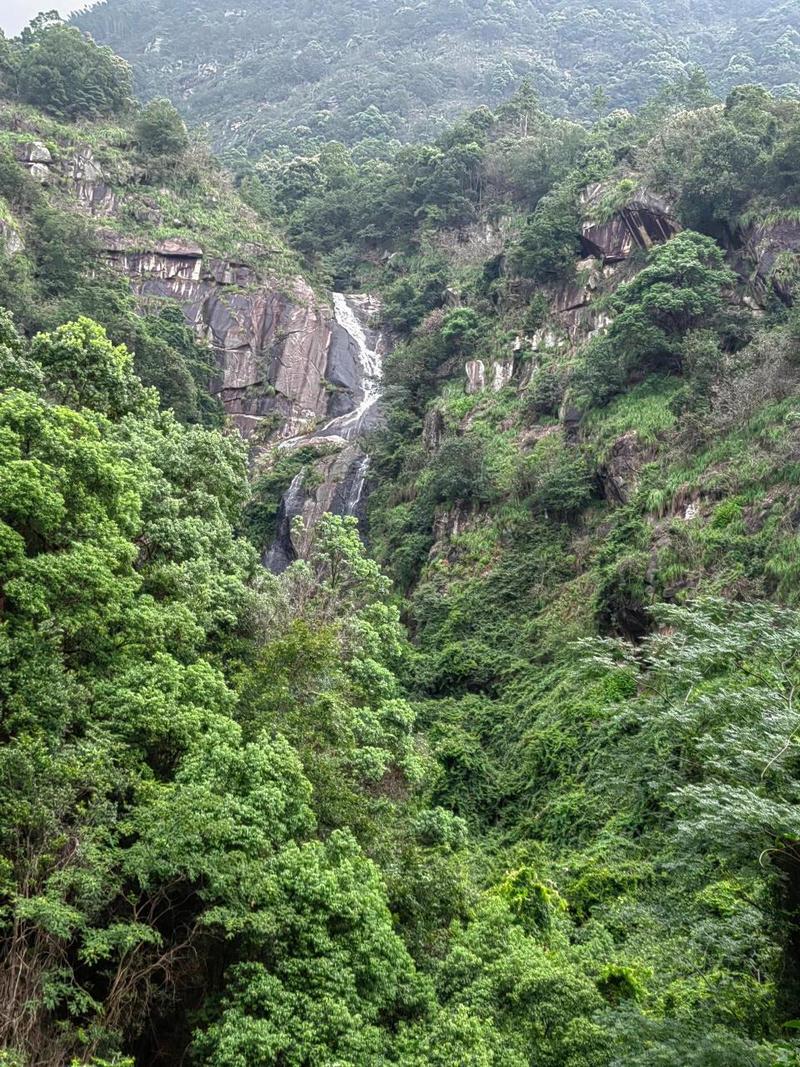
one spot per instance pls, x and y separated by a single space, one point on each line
262 73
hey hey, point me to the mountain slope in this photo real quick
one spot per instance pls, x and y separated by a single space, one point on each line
535 802
262 74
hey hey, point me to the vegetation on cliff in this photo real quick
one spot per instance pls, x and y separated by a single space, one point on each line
517 782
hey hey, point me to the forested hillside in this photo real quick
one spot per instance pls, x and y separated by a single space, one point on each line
501 768
264 74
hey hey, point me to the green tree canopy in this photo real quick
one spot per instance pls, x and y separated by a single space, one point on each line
64 72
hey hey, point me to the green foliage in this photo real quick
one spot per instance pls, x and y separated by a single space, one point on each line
555 478
549 243
680 288
460 472
160 132
255 819
367 76
461 329
323 914
62 246
16 187
62 71
82 368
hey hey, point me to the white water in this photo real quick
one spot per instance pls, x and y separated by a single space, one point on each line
294 494
348 426
340 429
357 488
277 557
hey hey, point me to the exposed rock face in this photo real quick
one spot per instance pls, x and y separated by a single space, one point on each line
341 488
10 238
645 220
572 305
619 474
355 366
33 152
502 373
476 376
272 341
767 244
291 370
340 479
449 524
88 183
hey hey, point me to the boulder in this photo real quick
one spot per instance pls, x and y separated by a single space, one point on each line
10 238
40 172
502 373
645 220
33 152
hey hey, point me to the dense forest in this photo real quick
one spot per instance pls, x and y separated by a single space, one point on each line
268 74
505 773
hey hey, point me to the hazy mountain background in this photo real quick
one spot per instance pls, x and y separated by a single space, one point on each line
15 14
263 73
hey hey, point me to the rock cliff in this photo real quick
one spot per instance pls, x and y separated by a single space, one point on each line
280 364
292 368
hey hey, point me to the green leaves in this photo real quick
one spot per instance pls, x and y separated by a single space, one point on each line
161 132
82 368
64 72
680 289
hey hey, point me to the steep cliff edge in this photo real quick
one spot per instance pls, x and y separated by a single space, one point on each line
289 364
292 372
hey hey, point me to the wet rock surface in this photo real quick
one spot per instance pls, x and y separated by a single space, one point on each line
340 487
771 245
291 370
338 481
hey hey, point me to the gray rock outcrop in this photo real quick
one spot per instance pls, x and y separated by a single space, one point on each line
271 339
476 376
644 220
774 247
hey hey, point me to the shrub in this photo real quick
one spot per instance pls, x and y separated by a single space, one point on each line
555 478
160 131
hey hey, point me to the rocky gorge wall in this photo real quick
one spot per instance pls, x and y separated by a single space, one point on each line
291 371
293 368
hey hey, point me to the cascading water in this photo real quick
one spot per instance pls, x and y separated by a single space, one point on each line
371 364
357 486
344 489
281 552
369 361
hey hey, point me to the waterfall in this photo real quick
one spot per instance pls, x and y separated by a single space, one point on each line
345 488
281 552
371 363
348 426
357 486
